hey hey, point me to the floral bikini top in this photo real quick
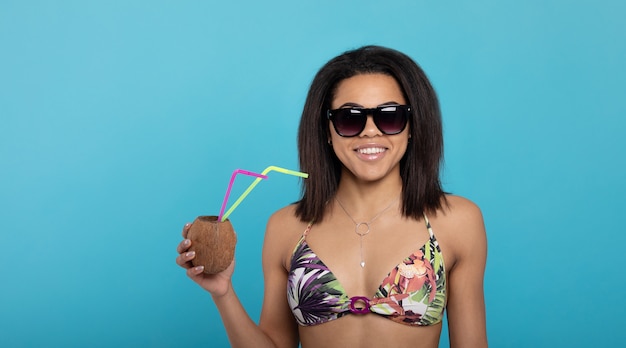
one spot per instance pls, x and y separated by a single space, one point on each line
413 293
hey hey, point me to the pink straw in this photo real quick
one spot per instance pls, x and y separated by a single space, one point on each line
230 186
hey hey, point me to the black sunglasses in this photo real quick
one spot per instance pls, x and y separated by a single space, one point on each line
350 122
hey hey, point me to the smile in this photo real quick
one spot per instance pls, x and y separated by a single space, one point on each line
371 150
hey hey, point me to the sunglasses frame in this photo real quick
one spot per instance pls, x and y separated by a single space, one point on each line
376 113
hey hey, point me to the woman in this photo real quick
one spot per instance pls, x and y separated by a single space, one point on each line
372 209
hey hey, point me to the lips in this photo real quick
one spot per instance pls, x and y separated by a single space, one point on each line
371 150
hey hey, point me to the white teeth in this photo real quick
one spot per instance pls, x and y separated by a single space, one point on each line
371 150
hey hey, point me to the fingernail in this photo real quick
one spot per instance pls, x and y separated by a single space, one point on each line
187 224
186 242
199 268
190 254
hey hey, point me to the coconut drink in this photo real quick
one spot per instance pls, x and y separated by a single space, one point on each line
212 237
214 243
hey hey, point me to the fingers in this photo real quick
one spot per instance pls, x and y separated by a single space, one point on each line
186 229
184 259
194 271
183 246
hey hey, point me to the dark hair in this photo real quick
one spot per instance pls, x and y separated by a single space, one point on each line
419 167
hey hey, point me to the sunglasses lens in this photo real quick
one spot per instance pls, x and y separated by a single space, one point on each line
348 122
391 119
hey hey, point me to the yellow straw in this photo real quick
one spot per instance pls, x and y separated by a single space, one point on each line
256 181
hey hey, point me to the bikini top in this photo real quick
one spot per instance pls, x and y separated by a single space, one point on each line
413 293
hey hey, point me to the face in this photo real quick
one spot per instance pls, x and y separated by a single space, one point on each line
370 155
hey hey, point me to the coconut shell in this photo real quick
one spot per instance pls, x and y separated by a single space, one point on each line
214 243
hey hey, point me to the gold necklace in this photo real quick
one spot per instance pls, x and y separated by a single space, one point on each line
357 228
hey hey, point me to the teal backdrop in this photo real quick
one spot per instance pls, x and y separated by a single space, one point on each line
122 120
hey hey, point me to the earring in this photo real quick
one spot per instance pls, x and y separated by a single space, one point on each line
330 142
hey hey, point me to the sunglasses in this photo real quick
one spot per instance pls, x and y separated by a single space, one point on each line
350 122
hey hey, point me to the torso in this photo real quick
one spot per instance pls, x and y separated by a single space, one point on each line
335 242
412 293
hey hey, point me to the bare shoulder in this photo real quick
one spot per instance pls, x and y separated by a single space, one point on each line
461 227
282 232
285 221
460 210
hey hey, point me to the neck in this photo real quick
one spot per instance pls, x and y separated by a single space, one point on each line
366 199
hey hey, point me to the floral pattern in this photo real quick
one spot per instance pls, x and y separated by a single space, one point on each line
413 293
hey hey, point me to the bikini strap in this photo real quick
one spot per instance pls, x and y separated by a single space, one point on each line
302 238
428 227
308 228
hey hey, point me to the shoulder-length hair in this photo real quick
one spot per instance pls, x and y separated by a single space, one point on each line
420 165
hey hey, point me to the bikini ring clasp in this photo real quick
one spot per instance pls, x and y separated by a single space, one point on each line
356 299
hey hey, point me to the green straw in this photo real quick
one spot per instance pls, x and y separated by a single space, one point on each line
256 181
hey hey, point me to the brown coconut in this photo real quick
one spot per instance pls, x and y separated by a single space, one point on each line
214 243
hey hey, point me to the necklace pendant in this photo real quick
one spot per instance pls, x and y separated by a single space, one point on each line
362 229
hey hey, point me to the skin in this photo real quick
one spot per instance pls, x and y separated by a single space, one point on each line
369 183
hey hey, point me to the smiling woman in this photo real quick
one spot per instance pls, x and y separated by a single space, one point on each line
371 155
374 252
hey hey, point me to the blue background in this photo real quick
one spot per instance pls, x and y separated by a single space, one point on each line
122 120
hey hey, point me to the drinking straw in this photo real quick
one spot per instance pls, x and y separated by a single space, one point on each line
230 186
256 181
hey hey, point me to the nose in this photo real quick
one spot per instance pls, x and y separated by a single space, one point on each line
370 129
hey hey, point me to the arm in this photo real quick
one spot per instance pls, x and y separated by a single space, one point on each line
241 329
276 317
466 303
